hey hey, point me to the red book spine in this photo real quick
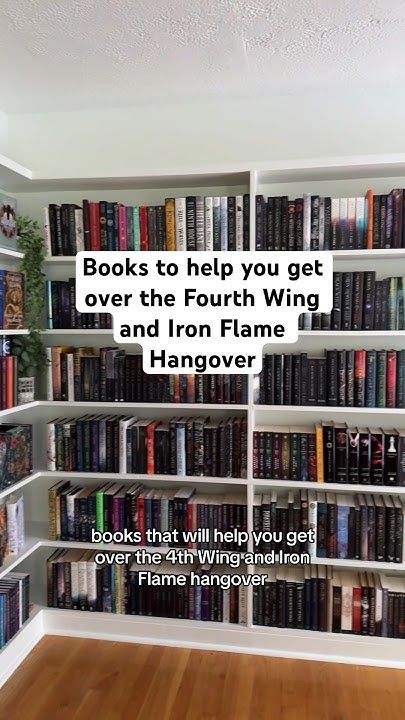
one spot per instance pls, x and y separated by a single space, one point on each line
190 388
140 511
150 447
143 221
95 242
359 378
391 378
122 228
356 616
370 204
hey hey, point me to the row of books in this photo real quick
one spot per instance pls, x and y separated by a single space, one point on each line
186 223
181 446
330 452
11 300
75 582
14 605
75 511
344 378
15 453
111 375
12 531
61 309
345 526
327 600
312 222
360 302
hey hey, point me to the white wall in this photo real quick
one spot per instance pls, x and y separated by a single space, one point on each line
162 136
4 139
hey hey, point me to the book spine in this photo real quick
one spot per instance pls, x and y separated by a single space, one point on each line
180 214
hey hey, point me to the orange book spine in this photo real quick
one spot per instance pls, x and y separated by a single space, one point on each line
319 454
170 224
370 203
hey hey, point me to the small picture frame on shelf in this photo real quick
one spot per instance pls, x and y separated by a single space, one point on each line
8 221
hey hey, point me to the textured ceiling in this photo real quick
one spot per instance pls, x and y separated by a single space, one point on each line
69 54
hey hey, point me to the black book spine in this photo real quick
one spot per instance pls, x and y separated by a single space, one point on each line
332 377
246 221
103 225
277 223
336 320
191 231
350 378
358 291
341 371
260 210
368 301
161 227
376 222
296 380
291 225
299 224
327 238
287 400
347 300
322 383
383 218
231 222
284 223
279 379
314 222
312 396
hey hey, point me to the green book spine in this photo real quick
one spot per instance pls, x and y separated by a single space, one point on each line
137 231
100 511
392 304
130 228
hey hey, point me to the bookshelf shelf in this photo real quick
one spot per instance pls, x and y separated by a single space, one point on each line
10 254
132 477
252 639
13 332
17 486
261 485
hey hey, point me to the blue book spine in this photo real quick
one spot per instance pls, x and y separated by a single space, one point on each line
49 316
304 457
137 229
343 531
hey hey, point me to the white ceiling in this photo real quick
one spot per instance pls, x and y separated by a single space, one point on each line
71 54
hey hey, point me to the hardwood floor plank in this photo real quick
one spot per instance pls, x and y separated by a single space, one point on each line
77 679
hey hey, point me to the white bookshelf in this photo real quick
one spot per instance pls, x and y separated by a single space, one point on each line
333 176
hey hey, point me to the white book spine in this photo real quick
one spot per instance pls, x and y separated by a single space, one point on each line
12 528
306 221
49 379
180 212
224 223
242 610
378 605
347 609
20 524
51 453
334 216
199 222
70 377
74 582
312 525
91 584
239 222
47 232
321 223
70 514
181 449
79 229
209 228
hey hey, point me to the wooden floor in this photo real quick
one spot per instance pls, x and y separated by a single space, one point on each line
70 679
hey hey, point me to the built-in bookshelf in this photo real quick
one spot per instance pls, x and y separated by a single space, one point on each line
347 177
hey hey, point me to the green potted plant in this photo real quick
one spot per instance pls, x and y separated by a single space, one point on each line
29 349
